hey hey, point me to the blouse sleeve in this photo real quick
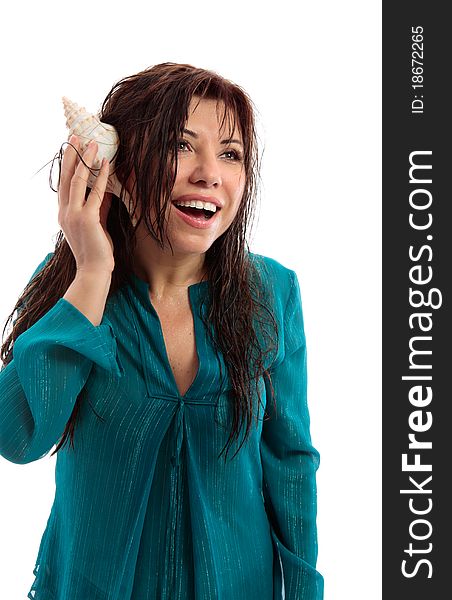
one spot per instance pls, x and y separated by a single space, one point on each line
39 386
290 462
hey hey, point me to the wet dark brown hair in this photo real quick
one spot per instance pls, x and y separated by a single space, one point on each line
149 111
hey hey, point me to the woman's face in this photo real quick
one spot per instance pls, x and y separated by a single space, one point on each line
207 166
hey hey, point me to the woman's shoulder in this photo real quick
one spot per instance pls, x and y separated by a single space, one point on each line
279 277
276 282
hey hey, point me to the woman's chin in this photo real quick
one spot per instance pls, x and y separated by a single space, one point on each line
190 242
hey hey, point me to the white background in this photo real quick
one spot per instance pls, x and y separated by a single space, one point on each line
313 72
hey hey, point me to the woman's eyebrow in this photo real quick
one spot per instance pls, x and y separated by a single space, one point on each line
227 141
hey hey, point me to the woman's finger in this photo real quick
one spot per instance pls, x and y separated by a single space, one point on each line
79 180
97 192
67 170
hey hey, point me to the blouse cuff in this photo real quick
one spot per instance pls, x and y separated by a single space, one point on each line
301 581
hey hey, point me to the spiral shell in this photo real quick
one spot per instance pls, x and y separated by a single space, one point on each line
87 126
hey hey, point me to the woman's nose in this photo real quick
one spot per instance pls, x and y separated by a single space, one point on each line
207 169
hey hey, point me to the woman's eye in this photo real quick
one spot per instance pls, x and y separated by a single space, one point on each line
182 142
235 155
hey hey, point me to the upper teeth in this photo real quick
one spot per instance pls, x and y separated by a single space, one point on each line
197 204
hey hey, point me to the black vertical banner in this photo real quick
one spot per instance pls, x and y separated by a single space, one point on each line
417 275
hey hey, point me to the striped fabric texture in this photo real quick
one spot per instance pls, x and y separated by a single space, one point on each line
144 507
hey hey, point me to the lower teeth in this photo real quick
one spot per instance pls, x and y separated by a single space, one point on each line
200 214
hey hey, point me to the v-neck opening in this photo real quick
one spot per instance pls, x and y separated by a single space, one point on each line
192 289
162 338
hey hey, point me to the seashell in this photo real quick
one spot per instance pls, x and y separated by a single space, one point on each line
87 126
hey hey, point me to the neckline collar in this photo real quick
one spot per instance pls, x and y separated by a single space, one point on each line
145 285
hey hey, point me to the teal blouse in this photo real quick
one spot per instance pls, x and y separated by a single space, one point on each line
143 508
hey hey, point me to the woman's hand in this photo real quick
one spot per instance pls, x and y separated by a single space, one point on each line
84 224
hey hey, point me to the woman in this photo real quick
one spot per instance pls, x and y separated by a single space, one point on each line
148 336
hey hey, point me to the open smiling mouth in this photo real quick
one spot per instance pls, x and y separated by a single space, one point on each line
201 214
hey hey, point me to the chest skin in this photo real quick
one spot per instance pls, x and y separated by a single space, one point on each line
176 320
